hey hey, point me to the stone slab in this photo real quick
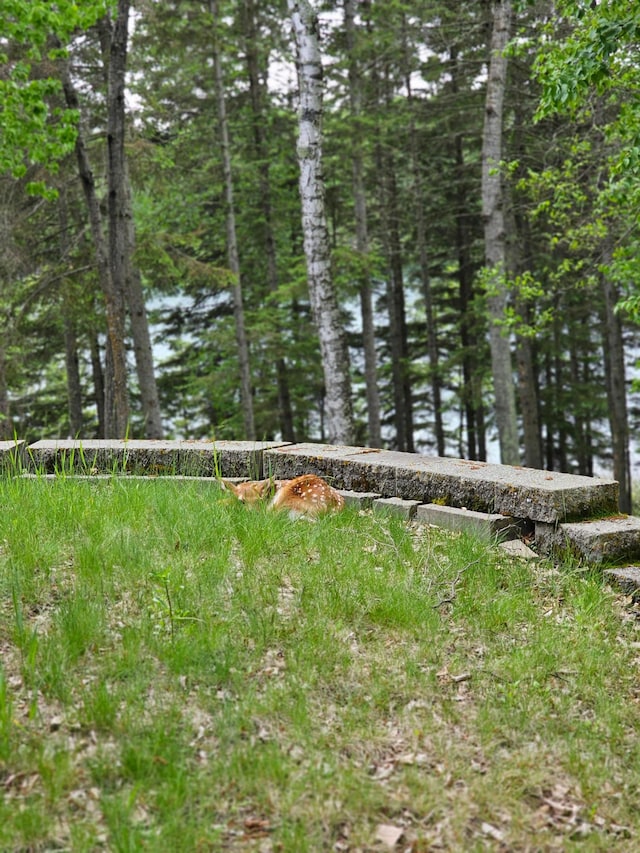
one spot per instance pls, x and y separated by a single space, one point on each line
517 548
179 478
626 579
154 457
519 492
12 456
605 540
361 499
396 506
486 524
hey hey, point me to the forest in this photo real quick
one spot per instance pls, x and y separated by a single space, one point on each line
376 222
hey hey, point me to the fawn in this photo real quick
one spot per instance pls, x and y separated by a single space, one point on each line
306 495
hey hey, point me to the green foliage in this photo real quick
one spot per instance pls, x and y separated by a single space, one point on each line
571 182
591 73
596 53
34 128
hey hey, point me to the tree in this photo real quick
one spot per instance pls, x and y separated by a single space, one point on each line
257 72
590 69
493 214
34 129
44 33
333 346
402 134
117 403
361 227
246 394
116 413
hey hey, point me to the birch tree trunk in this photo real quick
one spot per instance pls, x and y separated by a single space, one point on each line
246 394
324 305
494 234
362 236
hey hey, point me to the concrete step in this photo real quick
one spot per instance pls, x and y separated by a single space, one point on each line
626 579
604 540
491 525
519 492
518 548
364 500
396 506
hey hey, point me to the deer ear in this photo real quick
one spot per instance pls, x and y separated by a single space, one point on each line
226 486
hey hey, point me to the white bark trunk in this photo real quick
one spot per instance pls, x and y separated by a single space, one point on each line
326 313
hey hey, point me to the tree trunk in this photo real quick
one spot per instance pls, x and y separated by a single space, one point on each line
519 247
246 393
425 278
362 236
133 293
472 342
142 345
389 214
74 388
616 385
324 304
494 230
117 408
256 93
6 427
525 358
97 374
528 388
556 383
115 385
581 423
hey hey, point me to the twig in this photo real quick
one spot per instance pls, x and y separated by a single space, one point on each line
454 585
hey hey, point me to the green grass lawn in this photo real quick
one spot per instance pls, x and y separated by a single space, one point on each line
180 673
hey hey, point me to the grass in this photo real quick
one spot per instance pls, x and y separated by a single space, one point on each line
180 673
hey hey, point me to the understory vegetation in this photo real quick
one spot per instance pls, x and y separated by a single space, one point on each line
180 673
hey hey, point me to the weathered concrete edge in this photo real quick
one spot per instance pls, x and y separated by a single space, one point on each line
521 493
160 458
495 525
12 455
625 579
396 506
613 541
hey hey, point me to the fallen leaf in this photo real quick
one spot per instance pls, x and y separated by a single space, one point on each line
491 831
55 722
389 834
464 676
